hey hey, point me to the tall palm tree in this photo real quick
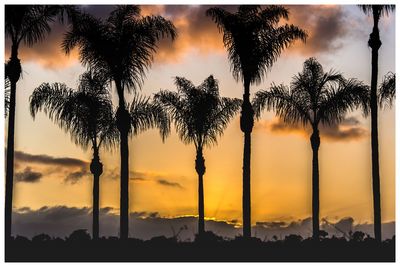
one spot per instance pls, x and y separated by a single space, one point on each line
87 114
254 40
27 24
387 90
375 43
123 47
314 97
200 116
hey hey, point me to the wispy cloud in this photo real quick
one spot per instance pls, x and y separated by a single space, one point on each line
348 130
168 183
28 176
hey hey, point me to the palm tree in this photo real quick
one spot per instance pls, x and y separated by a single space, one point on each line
200 116
27 24
314 98
254 41
387 90
87 114
375 43
123 47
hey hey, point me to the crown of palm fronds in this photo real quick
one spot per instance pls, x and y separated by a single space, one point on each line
254 39
87 113
313 97
200 115
122 46
380 10
29 23
387 90
146 115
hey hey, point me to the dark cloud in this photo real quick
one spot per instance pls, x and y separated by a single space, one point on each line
348 130
28 176
168 183
61 221
75 177
46 159
326 26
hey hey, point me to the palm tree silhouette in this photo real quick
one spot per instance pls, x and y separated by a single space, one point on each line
254 41
375 43
387 90
123 47
87 114
27 24
200 116
314 97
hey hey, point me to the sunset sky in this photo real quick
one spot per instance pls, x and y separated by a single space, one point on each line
50 170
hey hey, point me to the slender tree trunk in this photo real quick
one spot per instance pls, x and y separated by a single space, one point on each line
14 71
246 125
200 169
375 43
315 142
123 124
96 168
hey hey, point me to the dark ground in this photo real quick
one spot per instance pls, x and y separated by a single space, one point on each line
80 248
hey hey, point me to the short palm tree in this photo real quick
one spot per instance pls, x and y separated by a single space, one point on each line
87 114
375 43
27 24
314 98
123 47
254 40
200 116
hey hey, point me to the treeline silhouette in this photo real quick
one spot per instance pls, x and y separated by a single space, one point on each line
119 50
79 246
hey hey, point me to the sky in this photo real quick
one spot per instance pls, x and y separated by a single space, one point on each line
51 172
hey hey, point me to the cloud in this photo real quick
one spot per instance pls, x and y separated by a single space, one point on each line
49 160
71 170
75 177
61 221
167 183
28 176
325 24
349 129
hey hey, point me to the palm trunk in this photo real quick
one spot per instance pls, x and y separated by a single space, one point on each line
375 43
246 125
123 124
14 68
315 142
96 169
200 169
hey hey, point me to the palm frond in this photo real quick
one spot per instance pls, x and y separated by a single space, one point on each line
286 103
381 10
146 115
349 95
387 90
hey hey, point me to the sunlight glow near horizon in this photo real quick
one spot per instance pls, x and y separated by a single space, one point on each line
281 163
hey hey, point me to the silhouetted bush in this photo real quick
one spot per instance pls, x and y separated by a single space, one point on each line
210 247
80 235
